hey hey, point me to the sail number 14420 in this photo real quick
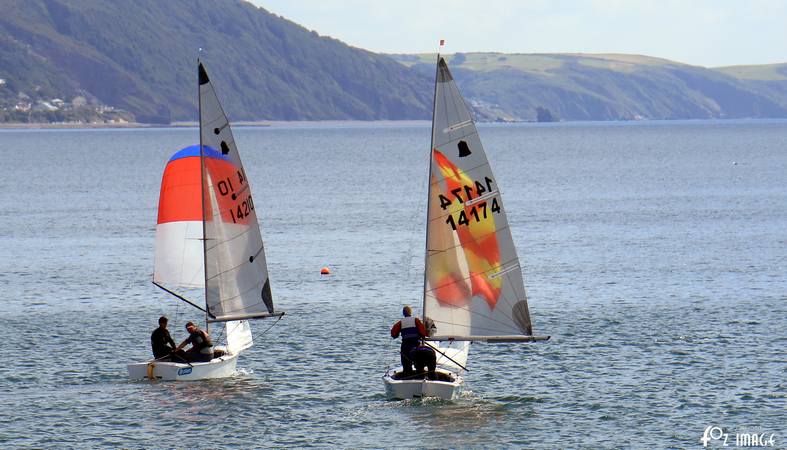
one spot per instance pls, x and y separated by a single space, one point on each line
238 209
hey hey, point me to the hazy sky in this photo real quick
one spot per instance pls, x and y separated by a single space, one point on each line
702 32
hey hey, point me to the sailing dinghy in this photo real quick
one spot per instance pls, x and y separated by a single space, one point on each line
208 243
473 288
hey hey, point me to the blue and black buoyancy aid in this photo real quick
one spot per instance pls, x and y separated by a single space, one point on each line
409 329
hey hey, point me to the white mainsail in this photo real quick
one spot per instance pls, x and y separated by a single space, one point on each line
237 284
473 289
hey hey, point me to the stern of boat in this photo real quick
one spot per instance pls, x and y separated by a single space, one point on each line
396 389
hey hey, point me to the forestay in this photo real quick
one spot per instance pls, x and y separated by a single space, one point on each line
237 285
473 288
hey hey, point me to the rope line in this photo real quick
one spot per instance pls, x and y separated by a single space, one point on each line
272 325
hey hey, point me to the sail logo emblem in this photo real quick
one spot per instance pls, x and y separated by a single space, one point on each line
464 149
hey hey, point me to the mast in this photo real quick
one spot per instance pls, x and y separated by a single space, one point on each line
429 182
202 188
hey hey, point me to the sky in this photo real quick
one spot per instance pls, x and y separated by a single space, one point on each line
708 33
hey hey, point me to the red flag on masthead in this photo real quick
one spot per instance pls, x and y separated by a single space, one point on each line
442 42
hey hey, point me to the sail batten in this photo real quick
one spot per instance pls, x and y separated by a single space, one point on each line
457 126
473 287
492 274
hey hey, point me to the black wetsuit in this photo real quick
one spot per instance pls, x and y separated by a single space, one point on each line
424 357
161 342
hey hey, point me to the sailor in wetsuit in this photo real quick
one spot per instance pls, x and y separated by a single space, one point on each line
424 357
412 330
201 346
161 341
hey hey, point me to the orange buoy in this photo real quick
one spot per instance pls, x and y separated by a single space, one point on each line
325 271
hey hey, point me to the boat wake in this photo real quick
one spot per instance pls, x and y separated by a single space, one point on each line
243 372
508 399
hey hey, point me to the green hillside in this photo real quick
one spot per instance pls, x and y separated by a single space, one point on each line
139 56
134 60
609 87
764 72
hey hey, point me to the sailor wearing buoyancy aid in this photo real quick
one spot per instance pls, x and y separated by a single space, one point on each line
201 346
412 330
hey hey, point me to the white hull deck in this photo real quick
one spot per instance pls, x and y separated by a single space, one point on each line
420 388
220 367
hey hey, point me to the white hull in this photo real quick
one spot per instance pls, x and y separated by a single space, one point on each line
407 389
221 367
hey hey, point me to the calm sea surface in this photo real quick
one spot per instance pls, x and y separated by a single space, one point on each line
654 254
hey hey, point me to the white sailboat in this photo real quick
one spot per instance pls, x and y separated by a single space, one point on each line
473 287
208 242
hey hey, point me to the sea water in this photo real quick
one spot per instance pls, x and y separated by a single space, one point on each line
654 254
